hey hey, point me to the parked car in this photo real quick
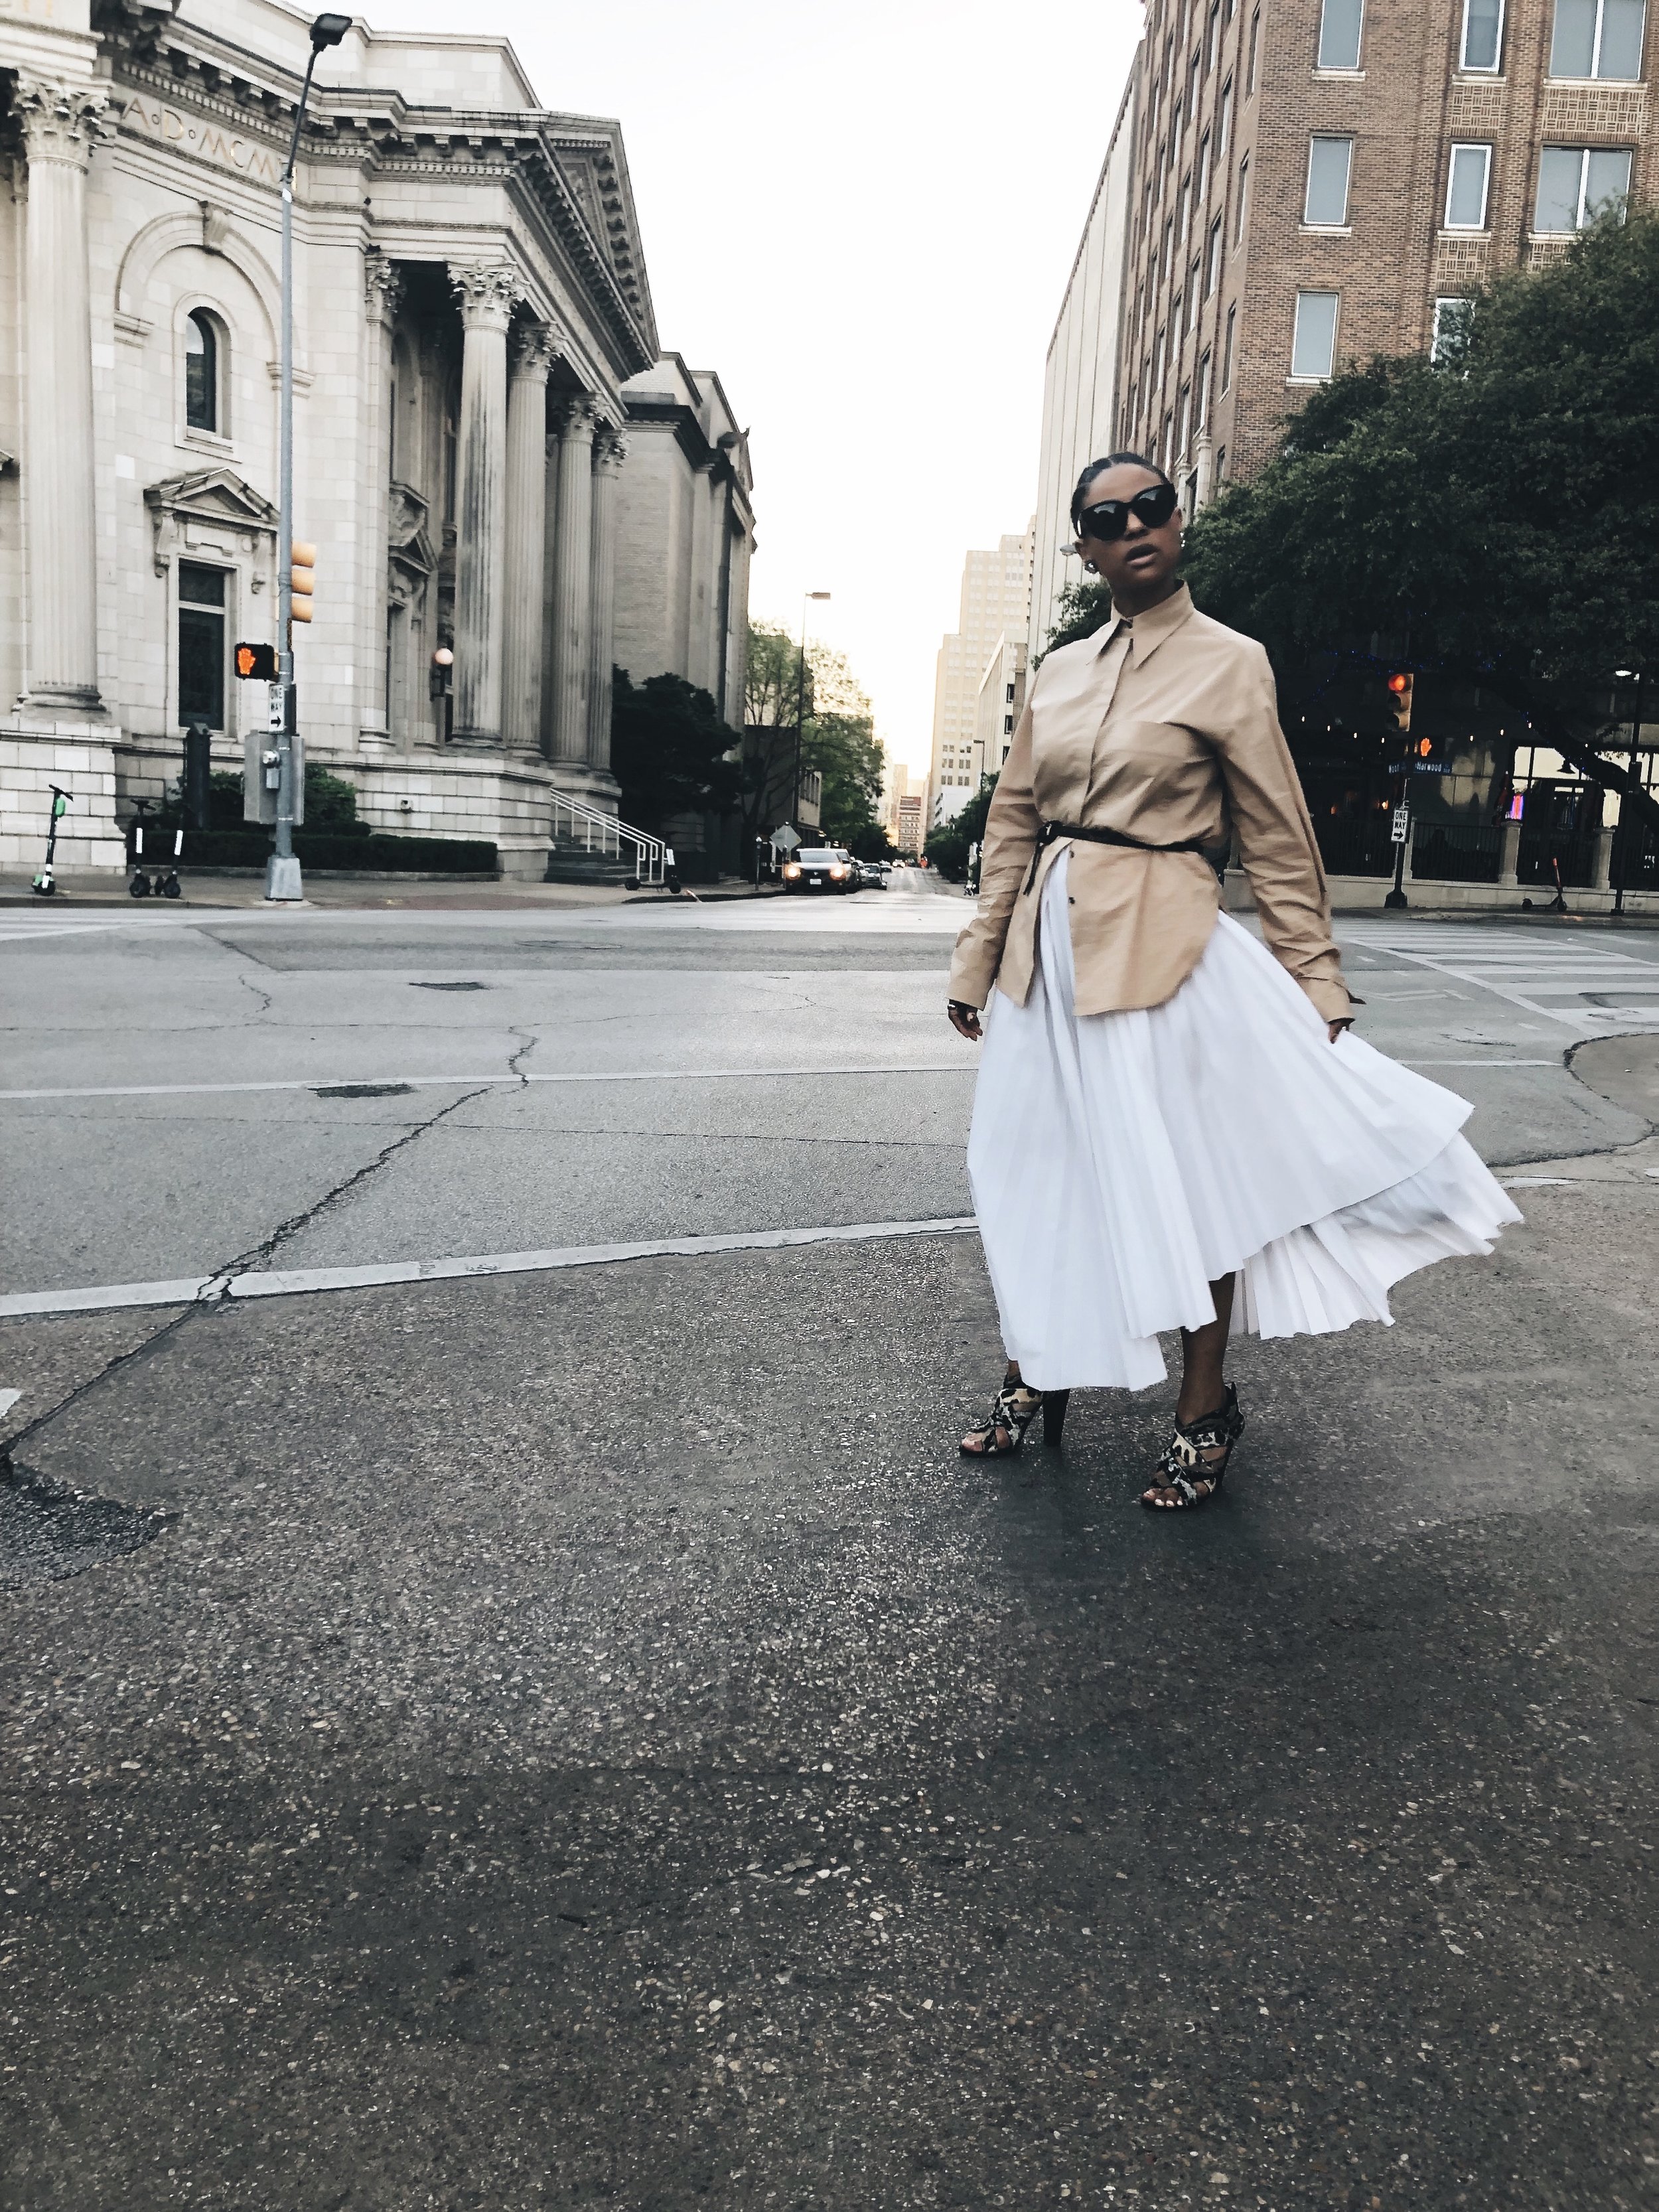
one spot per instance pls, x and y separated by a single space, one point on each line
821 868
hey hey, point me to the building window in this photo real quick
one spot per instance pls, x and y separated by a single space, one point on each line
1213 265
1186 417
1227 351
1338 34
1312 348
1577 183
1204 393
1186 206
1243 197
1157 372
1166 452
1255 42
1221 464
1451 326
1597 38
201 644
1483 34
1203 169
1326 201
1213 43
1008 725
1225 123
1192 297
1466 187
201 373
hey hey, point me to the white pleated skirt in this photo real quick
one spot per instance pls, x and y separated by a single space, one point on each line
1122 1163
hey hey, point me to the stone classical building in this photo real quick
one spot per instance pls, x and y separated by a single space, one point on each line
472 315
996 603
685 532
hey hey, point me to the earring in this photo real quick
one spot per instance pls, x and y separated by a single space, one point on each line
1090 567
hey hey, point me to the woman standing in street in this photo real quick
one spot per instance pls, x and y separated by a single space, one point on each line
1173 1126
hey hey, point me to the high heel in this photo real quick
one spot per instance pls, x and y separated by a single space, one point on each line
1184 1467
1054 1403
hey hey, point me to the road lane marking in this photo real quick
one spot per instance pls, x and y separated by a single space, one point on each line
300 1282
563 1075
337 1082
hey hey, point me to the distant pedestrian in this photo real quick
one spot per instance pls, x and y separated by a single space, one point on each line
1173 1126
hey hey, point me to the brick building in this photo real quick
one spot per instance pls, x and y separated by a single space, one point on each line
1316 181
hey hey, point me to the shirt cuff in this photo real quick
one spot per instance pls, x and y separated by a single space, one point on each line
1331 997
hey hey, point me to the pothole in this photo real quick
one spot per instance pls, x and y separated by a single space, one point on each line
449 986
49 1532
362 1090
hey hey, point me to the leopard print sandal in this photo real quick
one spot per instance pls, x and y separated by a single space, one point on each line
1181 1466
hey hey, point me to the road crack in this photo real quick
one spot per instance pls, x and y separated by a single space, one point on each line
215 1293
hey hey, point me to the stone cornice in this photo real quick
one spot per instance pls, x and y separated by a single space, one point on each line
253 100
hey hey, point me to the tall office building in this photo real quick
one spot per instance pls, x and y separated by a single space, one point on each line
1080 377
1316 181
996 603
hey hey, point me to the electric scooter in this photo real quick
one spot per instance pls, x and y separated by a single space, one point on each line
44 885
167 886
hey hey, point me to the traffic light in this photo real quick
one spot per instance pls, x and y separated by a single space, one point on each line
255 664
1400 697
302 580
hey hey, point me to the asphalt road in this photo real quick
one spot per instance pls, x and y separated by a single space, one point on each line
570 1731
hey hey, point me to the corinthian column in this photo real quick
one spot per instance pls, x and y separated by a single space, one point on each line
60 123
610 452
532 351
383 292
487 297
573 546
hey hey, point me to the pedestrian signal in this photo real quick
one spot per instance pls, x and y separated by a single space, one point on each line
1400 698
255 664
302 580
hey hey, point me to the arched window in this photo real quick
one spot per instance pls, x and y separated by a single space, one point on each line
201 373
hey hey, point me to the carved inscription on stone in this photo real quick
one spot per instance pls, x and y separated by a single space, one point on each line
192 134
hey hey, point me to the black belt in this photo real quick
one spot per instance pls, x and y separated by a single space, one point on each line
1053 830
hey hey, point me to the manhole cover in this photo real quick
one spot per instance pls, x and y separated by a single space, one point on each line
449 986
49 1532
362 1090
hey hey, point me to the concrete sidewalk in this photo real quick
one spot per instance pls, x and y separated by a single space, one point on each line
97 887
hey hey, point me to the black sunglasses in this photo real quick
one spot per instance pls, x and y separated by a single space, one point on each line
1153 507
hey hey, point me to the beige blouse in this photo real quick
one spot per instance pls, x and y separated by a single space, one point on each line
1165 728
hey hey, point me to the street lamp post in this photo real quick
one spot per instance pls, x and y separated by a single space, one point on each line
800 703
282 879
1622 839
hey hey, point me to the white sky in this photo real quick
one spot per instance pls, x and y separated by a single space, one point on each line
862 213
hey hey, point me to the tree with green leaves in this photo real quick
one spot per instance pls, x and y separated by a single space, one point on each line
1493 515
948 845
838 736
670 750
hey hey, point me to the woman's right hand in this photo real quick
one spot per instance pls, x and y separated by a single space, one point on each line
964 1020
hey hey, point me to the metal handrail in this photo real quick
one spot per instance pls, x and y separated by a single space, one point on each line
605 835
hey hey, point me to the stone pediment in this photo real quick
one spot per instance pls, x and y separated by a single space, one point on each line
208 511
406 532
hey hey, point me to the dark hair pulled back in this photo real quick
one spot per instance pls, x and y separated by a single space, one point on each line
1080 496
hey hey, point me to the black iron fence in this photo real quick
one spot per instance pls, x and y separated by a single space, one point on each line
1351 846
1456 852
1543 849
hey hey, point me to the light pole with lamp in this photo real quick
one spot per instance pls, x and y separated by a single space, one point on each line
800 704
282 879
